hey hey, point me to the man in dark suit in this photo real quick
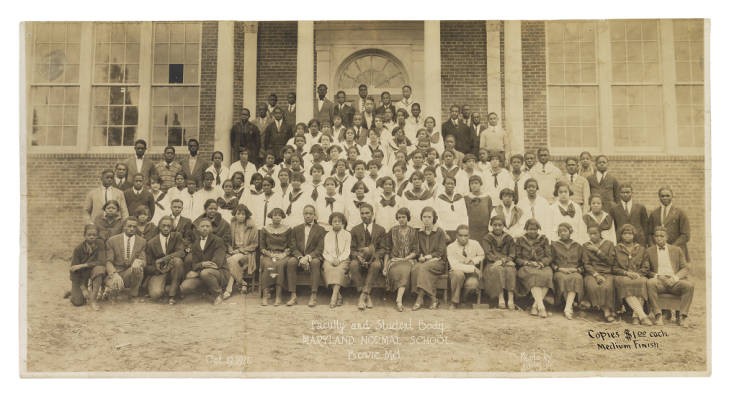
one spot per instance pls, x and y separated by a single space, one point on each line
140 164
276 135
386 99
245 134
194 166
343 110
307 247
121 176
361 133
207 260
164 261
465 139
359 103
289 111
668 274
477 127
368 116
629 212
323 107
603 184
181 224
673 219
367 250
137 196
125 259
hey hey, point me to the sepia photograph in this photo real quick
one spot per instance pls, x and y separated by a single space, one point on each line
365 198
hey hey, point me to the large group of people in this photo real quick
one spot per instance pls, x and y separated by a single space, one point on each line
365 193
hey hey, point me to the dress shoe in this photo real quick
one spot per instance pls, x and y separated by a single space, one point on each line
340 300
646 321
95 306
534 311
659 320
568 314
312 301
218 300
226 295
171 301
399 307
368 302
362 305
291 302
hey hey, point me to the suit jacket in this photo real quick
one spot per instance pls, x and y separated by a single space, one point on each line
314 246
96 198
476 131
638 218
370 124
378 240
184 227
289 116
381 110
466 141
347 114
678 261
123 186
608 189
144 198
115 251
214 251
678 231
326 110
147 168
274 139
175 248
245 135
197 172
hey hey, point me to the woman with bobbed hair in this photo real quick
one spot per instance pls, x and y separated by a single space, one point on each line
401 252
275 252
533 257
431 263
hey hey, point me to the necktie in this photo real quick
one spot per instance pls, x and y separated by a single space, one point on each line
265 212
336 243
164 244
106 194
315 193
129 248
572 178
174 222
368 236
217 177
464 253
202 243
663 216
626 208
307 231
516 191
534 216
599 178
330 202
291 108
496 179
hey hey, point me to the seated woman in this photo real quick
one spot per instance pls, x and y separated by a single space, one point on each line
228 201
452 207
599 218
109 223
417 197
145 228
564 210
567 267
359 196
387 203
630 272
533 256
242 250
512 214
599 258
88 263
275 253
337 243
431 261
221 228
402 250
500 271
329 202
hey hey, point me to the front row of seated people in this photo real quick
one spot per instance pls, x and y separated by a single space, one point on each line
178 257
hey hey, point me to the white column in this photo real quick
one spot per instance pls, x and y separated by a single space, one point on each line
305 72
224 88
493 68
432 95
250 67
513 85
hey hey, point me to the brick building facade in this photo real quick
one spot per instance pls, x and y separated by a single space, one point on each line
295 56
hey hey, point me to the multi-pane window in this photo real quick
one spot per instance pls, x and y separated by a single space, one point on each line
116 84
175 83
635 51
638 116
54 91
688 39
572 84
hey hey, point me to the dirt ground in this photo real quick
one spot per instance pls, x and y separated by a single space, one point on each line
243 337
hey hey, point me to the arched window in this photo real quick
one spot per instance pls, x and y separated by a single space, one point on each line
377 69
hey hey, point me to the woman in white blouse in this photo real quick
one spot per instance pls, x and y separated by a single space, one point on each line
337 244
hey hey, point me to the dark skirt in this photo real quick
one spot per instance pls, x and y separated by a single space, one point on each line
399 275
602 296
498 278
336 275
273 272
565 283
530 277
626 287
425 275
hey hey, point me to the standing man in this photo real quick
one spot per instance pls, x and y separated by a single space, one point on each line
407 101
578 185
276 135
386 104
272 102
194 166
674 220
343 110
137 195
668 274
307 247
465 140
323 107
245 134
125 258
368 116
367 250
140 164
465 257
477 128
603 184
167 169
359 103
546 174
414 123
207 258
494 137
263 117
629 212
290 110
164 261
466 115
99 196
121 177
361 132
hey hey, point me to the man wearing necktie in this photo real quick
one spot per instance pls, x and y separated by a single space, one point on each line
367 251
465 257
630 212
99 196
675 221
164 261
307 242
343 110
125 259
208 263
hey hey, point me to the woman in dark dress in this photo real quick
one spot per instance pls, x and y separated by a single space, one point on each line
567 267
109 223
431 262
221 227
500 270
145 228
630 274
275 253
533 257
599 258
402 248
478 207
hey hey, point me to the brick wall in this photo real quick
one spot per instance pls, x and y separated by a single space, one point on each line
501 111
463 65
238 43
277 43
208 75
534 82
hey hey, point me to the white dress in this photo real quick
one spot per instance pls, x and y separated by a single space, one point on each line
579 231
